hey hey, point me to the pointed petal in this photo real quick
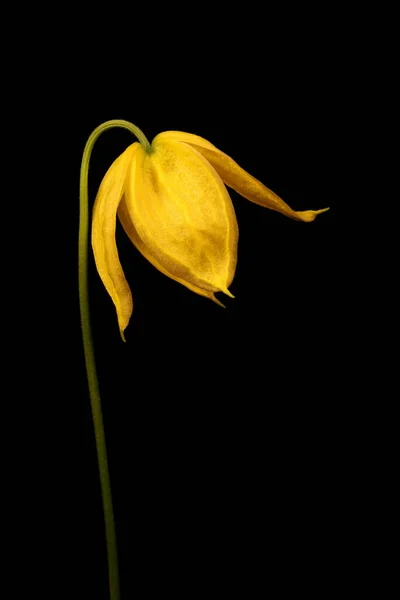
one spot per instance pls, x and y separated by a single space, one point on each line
238 179
103 236
184 216
129 228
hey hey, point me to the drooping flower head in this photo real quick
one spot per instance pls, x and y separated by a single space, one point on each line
172 202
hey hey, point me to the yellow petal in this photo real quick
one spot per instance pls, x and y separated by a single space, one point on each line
103 236
131 232
237 178
183 215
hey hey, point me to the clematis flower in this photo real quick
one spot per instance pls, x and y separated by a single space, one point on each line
172 202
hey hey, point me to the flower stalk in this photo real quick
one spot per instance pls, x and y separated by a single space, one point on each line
90 362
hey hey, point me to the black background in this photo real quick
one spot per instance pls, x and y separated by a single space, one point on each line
224 427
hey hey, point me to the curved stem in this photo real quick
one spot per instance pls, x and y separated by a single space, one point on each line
89 352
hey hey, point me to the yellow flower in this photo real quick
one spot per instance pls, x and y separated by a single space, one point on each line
172 203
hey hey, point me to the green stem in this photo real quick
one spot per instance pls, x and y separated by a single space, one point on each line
89 352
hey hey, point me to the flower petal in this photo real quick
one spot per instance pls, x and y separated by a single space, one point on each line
237 178
129 228
184 216
103 236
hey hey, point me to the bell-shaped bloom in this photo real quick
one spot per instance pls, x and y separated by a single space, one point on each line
173 204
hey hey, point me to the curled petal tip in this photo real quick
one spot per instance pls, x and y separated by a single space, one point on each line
309 215
227 292
214 299
122 335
